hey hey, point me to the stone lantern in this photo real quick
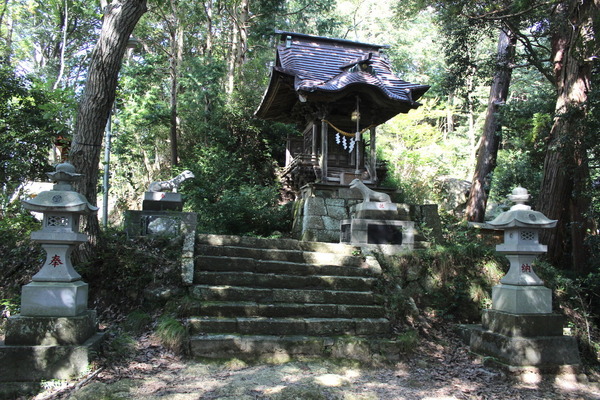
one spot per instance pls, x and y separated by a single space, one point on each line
55 335
57 289
521 291
520 330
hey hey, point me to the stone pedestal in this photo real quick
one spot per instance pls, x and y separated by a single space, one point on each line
54 299
522 299
172 223
392 235
162 201
532 340
46 348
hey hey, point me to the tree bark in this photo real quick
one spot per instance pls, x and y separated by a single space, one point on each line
120 17
566 175
490 139
176 58
240 15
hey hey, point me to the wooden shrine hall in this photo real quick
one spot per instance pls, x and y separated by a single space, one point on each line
337 92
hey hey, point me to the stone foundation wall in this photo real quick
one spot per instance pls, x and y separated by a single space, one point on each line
321 209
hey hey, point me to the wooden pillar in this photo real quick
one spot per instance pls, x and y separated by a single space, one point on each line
357 145
314 141
373 150
324 151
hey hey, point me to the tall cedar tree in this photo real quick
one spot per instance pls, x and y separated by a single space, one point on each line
566 171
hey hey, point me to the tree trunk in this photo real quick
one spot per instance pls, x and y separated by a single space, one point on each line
120 17
490 139
175 62
208 8
566 175
240 15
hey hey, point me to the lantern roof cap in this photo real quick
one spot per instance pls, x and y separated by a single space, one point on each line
521 214
62 197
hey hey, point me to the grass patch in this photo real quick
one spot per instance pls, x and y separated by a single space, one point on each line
172 334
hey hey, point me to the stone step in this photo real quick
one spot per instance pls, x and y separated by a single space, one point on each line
271 348
245 264
284 281
290 326
252 309
277 295
294 256
278 244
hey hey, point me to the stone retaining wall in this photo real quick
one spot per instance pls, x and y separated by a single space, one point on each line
322 207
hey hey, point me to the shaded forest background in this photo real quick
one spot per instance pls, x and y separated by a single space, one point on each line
522 113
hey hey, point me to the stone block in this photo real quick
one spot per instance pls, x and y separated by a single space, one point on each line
37 363
371 231
524 325
141 223
162 201
522 299
541 351
50 331
335 202
54 299
330 326
264 326
337 212
314 206
331 224
313 223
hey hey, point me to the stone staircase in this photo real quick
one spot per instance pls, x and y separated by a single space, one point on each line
276 299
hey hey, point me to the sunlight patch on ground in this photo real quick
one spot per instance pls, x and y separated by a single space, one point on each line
331 380
273 390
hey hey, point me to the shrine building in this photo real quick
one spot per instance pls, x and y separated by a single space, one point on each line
336 92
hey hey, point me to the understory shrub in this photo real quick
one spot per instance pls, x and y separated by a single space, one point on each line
453 280
123 269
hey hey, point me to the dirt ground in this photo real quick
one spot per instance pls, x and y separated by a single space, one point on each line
439 368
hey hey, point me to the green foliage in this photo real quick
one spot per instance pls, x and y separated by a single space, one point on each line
120 346
454 279
229 198
21 257
132 266
417 152
172 334
136 322
578 299
25 131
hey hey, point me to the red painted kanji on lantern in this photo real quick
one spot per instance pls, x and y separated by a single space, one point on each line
525 268
55 262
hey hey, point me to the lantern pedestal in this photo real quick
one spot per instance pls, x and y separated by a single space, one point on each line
522 299
54 299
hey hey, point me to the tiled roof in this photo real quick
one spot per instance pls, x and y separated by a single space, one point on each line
313 71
